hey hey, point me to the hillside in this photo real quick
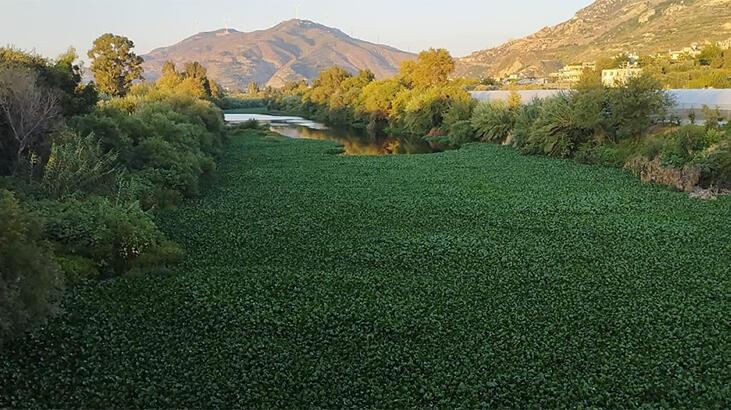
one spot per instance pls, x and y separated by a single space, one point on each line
606 28
292 50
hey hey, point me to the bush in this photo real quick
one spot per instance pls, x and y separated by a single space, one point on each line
556 130
493 121
716 168
524 120
591 153
166 142
29 278
461 132
77 165
632 109
118 238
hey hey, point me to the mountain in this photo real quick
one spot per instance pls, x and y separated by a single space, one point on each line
292 50
606 28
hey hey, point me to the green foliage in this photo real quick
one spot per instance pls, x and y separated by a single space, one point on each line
459 110
712 68
715 167
461 132
557 132
421 100
193 81
431 68
114 64
708 149
62 75
29 277
233 102
473 278
118 238
78 165
493 121
525 117
633 108
169 141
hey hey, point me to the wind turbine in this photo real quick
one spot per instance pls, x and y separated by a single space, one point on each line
227 22
297 4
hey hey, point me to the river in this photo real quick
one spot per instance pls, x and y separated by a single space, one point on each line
354 141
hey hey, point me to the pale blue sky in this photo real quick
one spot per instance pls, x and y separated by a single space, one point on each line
462 26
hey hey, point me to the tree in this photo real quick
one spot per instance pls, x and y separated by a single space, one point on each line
432 67
710 53
253 89
29 110
633 108
170 79
64 75
195 80
114 64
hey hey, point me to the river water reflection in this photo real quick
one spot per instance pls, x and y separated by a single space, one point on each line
354 141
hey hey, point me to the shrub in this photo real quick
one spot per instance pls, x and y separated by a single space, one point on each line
29 278
556 131
712 117
524 120
715 165
78 165
592 153
632 109
493 121
461 132
459 110
118 237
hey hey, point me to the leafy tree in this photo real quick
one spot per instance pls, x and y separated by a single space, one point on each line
114 64
253 89
461 132
432 67
195 80
170 79
710 54
633 108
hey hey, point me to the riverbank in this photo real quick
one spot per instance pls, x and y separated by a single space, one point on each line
466 278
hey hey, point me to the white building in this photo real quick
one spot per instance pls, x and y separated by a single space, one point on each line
571 74
619 76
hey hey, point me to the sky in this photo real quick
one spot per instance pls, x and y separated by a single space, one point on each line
462 26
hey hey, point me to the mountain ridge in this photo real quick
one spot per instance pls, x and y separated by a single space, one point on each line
605 28
289 51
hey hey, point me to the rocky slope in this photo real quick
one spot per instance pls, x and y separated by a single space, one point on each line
292 50
606 28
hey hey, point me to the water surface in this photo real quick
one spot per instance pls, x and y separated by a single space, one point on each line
354 141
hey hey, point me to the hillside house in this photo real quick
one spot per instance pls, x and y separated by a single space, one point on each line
619 76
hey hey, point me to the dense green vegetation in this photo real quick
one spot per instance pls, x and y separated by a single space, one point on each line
476 277
81 177
627 127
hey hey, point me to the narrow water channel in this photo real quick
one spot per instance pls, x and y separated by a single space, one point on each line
354 141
